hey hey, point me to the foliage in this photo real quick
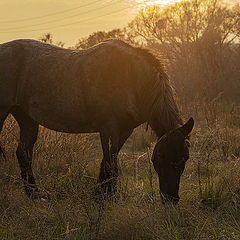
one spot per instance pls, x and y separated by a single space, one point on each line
197 38
98 37
186 22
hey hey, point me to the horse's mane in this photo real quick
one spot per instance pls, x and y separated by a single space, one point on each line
159 95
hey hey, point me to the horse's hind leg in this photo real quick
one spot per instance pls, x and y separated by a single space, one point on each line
28 137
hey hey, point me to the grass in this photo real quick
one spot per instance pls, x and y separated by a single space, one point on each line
66 167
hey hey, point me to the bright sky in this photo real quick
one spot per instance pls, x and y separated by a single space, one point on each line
67 20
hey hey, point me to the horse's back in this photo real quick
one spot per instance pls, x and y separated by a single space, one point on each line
71 90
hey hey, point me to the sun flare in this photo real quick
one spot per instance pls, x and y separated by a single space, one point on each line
157 2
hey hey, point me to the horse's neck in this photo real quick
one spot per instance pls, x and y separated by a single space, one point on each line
165 121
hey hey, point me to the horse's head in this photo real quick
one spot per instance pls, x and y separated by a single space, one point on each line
169 157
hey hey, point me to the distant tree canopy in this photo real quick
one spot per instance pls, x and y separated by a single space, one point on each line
48 38
186 22
99 36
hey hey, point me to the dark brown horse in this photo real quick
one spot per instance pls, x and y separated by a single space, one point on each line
110 88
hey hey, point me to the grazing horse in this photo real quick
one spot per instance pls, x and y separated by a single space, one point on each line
110 88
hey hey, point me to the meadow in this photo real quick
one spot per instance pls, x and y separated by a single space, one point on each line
199 42
66 168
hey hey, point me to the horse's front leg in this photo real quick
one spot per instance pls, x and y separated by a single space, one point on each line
112 143
109 166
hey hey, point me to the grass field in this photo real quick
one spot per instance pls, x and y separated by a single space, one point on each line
66 167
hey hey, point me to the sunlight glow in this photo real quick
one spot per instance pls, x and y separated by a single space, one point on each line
157 2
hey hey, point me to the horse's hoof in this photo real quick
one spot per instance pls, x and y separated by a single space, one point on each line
103 194
36 195
99 195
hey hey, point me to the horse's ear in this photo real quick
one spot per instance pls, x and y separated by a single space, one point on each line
187 127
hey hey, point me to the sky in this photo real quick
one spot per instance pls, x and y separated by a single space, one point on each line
68 20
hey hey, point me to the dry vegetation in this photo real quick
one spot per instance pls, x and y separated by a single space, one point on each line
200 40
66 168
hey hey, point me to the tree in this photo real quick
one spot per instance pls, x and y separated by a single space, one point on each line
194 37
184 23
98 37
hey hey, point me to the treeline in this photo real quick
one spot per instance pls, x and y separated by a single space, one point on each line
199 41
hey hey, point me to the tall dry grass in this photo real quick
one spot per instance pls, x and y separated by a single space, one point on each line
66 167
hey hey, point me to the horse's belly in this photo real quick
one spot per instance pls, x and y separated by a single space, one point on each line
69 127
65 125
69 120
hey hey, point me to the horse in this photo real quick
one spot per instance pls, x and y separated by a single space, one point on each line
110 88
